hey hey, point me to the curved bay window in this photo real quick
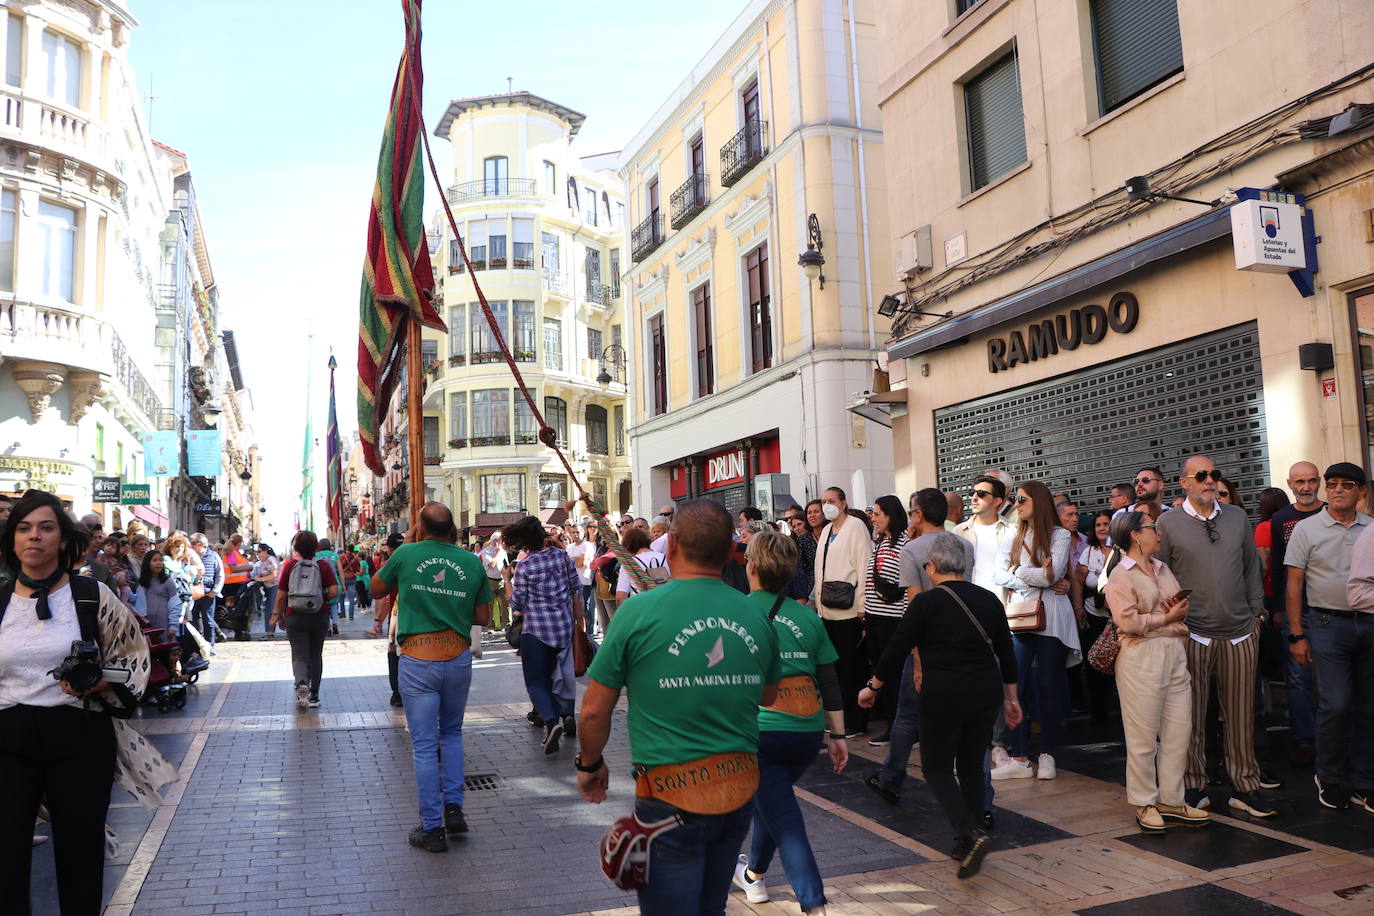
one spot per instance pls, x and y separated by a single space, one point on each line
598 438
491 416
556 415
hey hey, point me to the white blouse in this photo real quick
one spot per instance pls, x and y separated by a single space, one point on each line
1031 582
30 648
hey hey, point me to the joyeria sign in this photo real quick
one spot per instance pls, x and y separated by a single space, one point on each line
1043 339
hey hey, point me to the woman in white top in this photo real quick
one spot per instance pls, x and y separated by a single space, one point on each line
58 745
636 541
1037 559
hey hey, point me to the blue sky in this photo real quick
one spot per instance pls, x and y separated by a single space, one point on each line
280 107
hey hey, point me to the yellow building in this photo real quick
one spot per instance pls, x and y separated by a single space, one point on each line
543 229
1099 325
742 366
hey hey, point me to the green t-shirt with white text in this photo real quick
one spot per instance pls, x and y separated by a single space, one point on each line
694 655
437 586
802 646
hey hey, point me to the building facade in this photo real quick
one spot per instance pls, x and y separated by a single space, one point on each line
1078 182
543 228
741 365
96 335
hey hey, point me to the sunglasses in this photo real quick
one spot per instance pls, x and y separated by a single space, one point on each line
1147 528
1023 498
1226 493
1342 485
981 494
1146 479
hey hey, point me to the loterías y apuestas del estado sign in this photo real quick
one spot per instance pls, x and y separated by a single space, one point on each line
1066 331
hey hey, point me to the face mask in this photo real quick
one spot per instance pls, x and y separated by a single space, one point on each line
830 512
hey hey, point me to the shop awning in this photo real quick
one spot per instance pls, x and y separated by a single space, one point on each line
877 405
1212 225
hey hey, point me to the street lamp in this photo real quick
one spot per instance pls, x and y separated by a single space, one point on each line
210 413
811 260
245 475
615 355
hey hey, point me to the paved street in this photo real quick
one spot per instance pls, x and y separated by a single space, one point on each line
307 814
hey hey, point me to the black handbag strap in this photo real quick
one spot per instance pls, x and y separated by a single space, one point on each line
825 554
776 605
973 620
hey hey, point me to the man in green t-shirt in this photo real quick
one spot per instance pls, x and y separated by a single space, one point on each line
698 659
326 554
441 591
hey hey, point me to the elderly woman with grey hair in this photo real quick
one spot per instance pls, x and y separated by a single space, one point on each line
968 671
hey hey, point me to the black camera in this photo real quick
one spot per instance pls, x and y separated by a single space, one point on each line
81 667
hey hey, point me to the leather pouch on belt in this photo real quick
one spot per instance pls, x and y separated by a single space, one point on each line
797 696
439 646
717 784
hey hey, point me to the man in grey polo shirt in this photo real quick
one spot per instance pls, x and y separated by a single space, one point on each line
1319 559
1210 547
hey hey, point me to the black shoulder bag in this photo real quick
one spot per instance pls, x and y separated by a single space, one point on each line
835 593
86 596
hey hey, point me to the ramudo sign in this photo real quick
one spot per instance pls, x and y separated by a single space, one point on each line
1042 339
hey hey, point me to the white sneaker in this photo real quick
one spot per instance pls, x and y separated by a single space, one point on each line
1013 769
302 696
754 891
999 757
1045 767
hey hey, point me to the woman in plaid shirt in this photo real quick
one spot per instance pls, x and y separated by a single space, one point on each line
546 599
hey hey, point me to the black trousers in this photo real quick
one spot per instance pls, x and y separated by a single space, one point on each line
64 757
880 630
306 634
851 669
953 740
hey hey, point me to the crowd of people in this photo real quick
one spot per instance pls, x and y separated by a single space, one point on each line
952 622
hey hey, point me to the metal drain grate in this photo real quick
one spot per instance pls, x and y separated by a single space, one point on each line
480 781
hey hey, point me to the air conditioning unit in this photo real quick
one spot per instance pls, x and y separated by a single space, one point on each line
914 253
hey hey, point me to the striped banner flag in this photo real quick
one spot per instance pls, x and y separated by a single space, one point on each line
398 281
333 466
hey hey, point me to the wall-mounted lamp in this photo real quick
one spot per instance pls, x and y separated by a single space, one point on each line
891 304
811 260
1138 188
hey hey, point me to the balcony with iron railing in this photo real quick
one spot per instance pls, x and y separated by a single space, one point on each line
556 282
646 237
689 200
598 293
743 151
483 188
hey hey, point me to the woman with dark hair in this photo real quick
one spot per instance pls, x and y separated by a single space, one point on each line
157 598
1038 558
815 518
637 544
1097 686
884 600
1271 500
306 621
546 593
58 745
1229 494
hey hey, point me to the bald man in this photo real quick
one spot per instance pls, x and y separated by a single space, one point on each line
441 592
1304 482
1210 547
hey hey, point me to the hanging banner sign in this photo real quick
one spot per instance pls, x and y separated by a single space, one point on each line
208 506
135 494
1268 233
161 454
105 490
202 453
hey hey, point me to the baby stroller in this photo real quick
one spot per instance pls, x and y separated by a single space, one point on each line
166 684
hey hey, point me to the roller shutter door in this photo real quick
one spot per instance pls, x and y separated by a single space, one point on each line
1084 432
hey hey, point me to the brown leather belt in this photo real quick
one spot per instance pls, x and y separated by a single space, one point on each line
797 696
439 646
717 784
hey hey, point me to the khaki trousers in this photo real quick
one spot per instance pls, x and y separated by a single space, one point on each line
1234 669
1156 714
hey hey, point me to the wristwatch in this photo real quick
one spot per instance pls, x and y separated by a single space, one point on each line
869 685
1296 638
600 762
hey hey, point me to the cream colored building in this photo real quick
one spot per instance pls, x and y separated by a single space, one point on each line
741 366
544 228
1098 330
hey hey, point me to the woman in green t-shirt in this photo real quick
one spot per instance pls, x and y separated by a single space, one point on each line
792 729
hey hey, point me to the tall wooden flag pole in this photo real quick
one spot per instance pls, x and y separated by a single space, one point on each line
415 424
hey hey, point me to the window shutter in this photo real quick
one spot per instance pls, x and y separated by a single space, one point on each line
1138 46
996 132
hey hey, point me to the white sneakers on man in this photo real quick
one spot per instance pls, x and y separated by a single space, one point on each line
1044 769
1013 769
754 889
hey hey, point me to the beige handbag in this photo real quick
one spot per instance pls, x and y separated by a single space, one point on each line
1025 615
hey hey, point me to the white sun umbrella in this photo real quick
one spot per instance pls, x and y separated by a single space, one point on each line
858 493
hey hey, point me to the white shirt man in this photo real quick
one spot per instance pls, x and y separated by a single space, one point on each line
988 531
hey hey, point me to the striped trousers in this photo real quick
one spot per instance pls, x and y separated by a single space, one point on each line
1233 666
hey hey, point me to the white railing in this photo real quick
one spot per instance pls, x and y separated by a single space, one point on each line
48 124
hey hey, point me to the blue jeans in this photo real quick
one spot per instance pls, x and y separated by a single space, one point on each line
1302 724
778 822
269 603
906 729
538 662
347 597
435 695
691 866
1048 655
1343 659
